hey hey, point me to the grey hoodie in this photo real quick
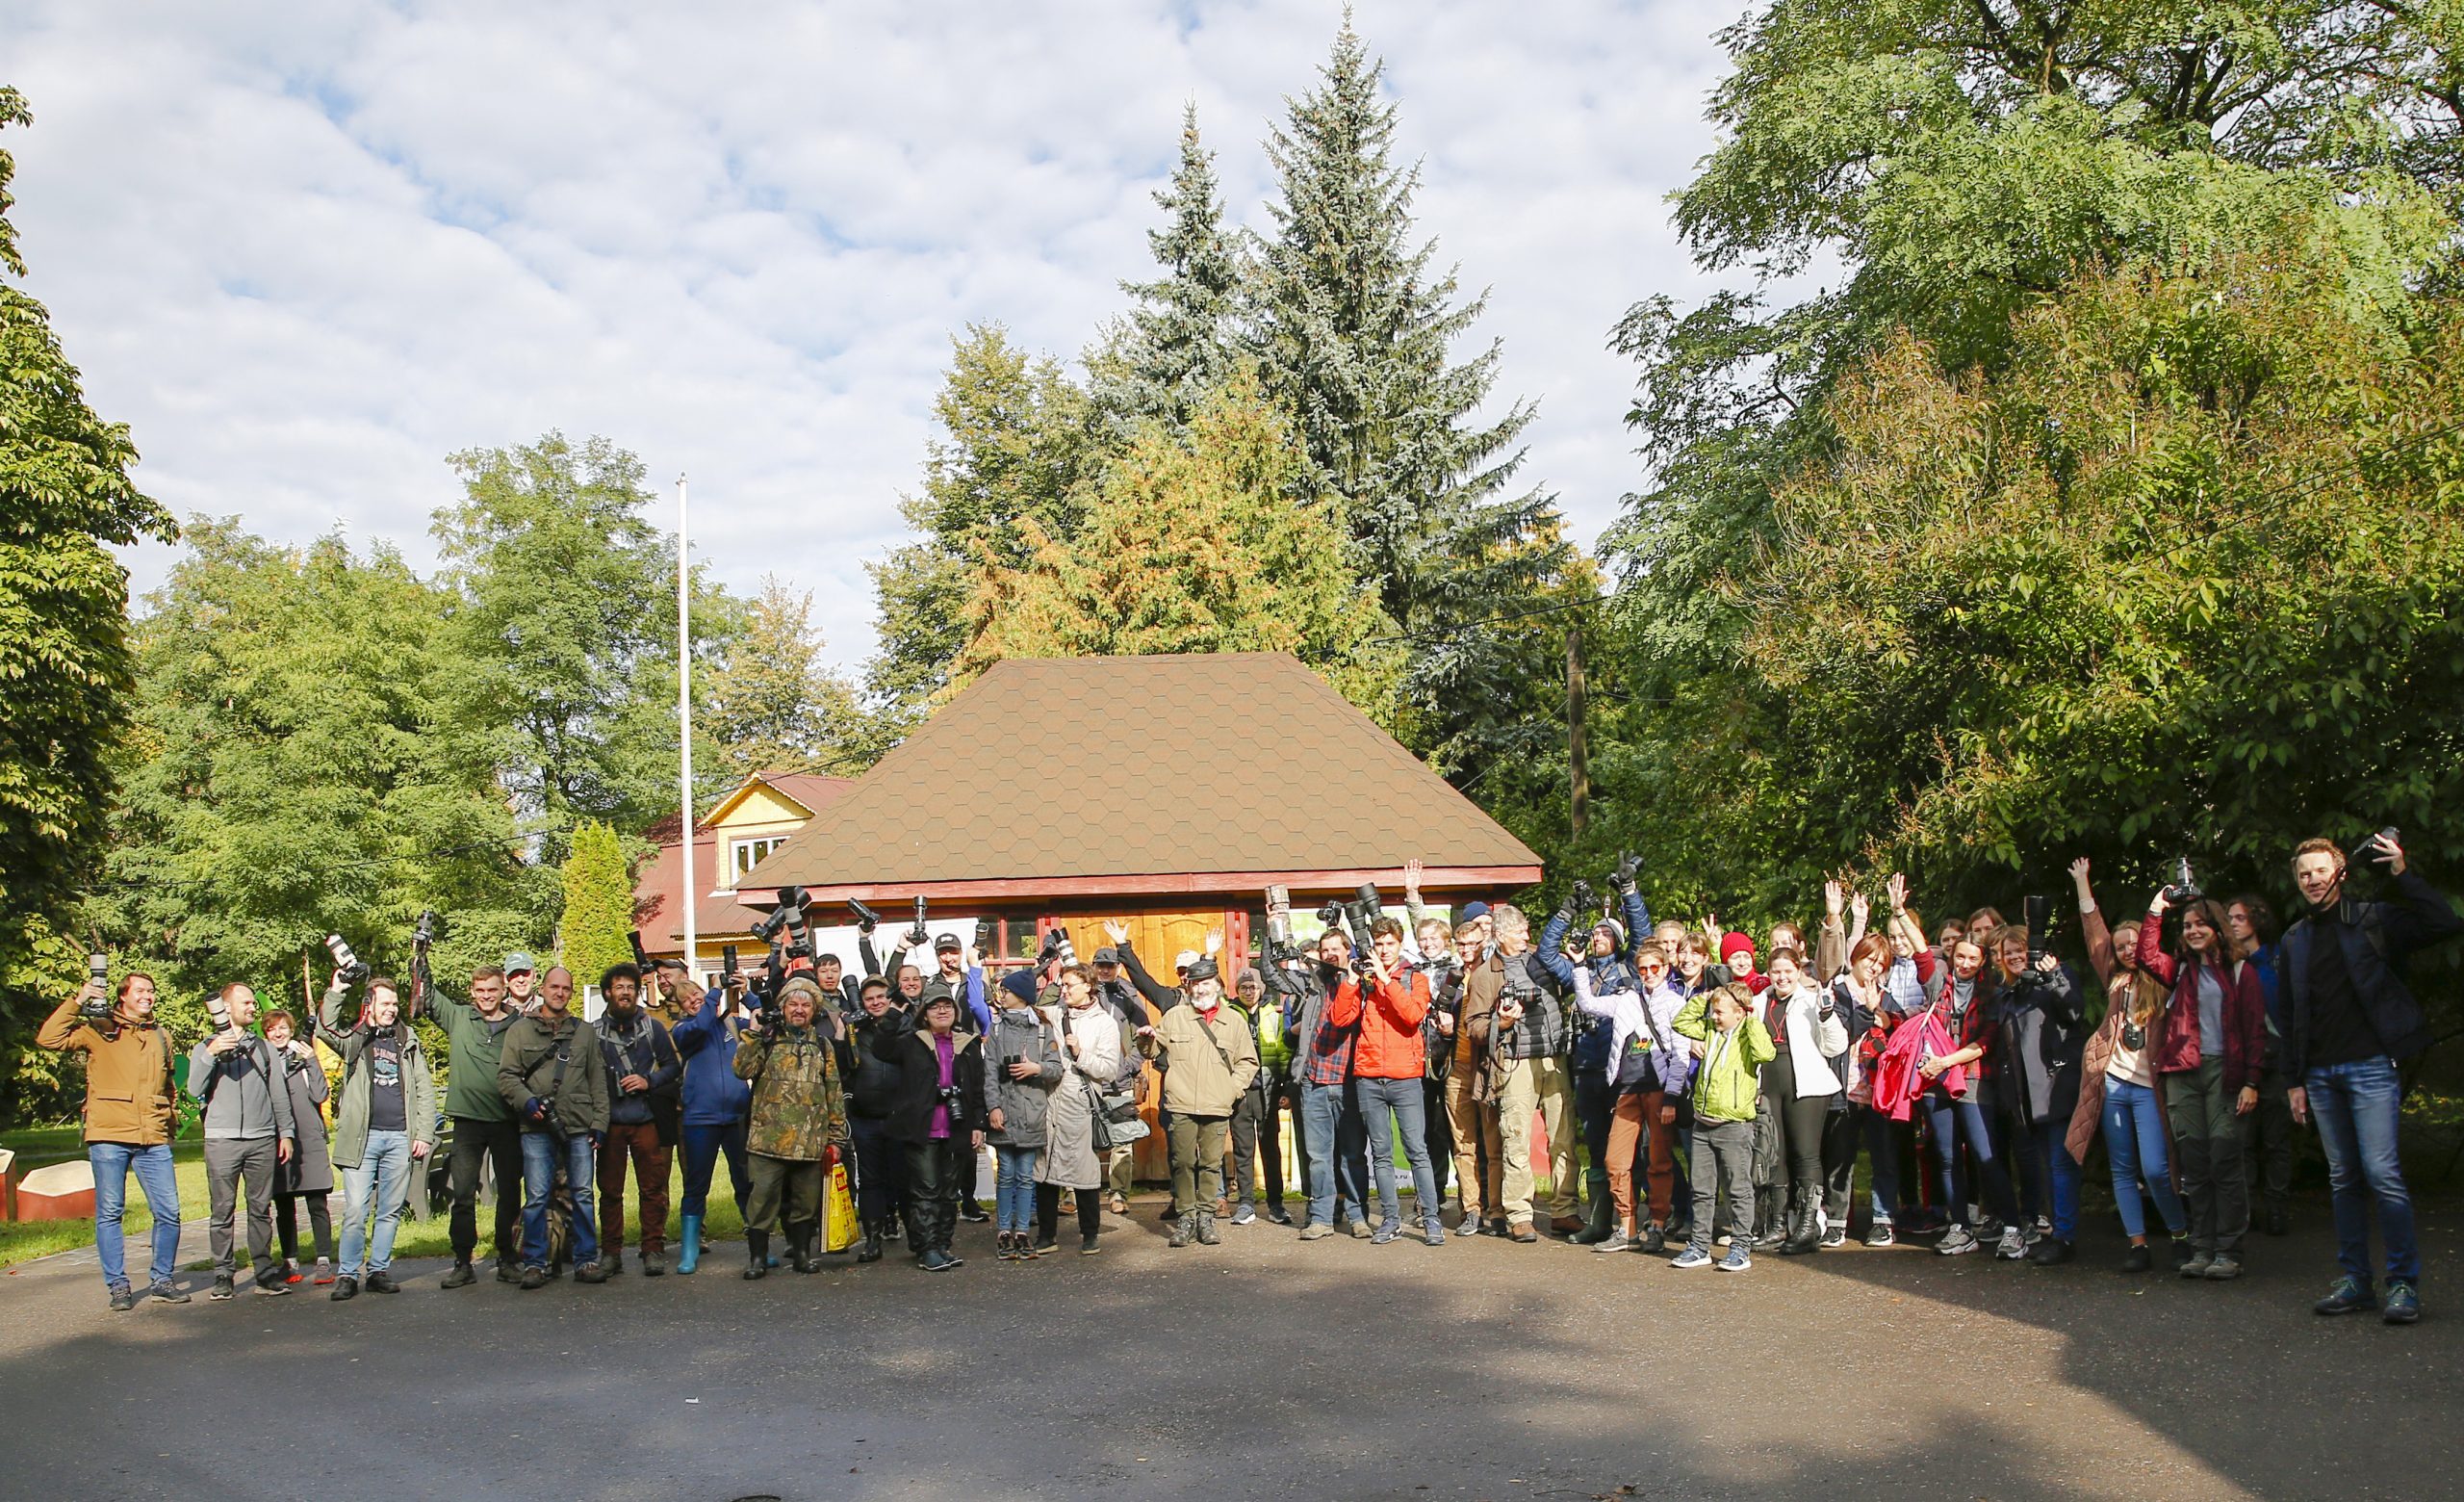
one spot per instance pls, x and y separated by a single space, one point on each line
241 1102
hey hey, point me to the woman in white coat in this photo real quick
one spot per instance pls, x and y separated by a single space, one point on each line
1805 1026
1091 1045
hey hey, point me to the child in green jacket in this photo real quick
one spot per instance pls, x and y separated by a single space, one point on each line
1733 1044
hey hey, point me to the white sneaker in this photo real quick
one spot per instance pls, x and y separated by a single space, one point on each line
2013 1245
1957 1241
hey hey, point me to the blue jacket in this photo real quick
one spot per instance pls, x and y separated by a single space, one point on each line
713 1096
2378 938
1608 973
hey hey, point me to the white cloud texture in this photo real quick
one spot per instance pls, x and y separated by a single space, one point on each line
305 251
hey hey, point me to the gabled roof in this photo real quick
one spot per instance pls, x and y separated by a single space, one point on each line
655 908
1202 773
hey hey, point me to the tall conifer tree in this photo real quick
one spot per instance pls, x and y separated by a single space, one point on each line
1180 345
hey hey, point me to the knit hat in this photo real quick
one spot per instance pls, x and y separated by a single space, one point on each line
1469 910
1731 942
1020 983
800 984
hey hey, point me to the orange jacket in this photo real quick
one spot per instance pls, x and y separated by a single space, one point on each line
1390 1032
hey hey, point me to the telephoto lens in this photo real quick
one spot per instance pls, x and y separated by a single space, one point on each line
353 972
98 969
218 1010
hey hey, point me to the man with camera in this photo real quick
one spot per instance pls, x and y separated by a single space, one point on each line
643 1072
1530 1075
247 1130
2350 1018
132 1110
384 1127
1388 1062
485 1133
790 1059
1334 1142
555 1081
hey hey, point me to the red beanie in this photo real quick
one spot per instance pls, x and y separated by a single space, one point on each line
1731 942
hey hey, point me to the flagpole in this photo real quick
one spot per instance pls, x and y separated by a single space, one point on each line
684 722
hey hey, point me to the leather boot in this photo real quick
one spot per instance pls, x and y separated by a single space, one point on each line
800 1240
1770 1217
1181 1228
688 1257
1805 1232
1207 1235
756 1262
1595 1227
871 1252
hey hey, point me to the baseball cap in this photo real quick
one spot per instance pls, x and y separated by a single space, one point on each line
947 944
519 960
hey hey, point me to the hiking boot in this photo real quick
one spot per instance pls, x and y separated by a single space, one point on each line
1737 1260
2404 1303
1315 1231
167 1293
533 1278
123 1298
1180 1236
2197 1264
2349 1296
1615 1241
1359 1229
1958 1241
590 1273
613 1263
1207 1235
2051 1251
1691 1259
221 1286
1881 1235
380 1281
654 1263
461 1277
2224 1268
1522 1231
345 1287
509 1270
2137 1259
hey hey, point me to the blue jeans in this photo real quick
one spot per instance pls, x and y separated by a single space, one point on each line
1013 1188
539 1153
1949 1121
1882 1151
1386 1106
382 1166
2135 1145
2355 1106
111 1162
703 1145
2056 1166
1328 1120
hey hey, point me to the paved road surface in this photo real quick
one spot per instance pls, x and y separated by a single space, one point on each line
1263 1367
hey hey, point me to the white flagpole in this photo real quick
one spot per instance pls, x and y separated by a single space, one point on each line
685 720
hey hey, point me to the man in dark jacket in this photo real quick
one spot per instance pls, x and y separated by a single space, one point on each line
643 1072
554 1079
2350 1018
872 1094
484 1132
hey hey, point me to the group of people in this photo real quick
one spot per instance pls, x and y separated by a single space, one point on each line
1719 1093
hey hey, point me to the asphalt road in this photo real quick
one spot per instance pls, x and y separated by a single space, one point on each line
1262 1368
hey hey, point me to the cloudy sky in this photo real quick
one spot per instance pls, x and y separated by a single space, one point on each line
307 250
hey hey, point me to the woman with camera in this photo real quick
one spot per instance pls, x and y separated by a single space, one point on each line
1090 1043
1026 1040
309 1172
2213 1045
2118 1092
937 1115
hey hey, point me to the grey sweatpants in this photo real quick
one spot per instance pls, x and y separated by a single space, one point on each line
1723 1163
228 1162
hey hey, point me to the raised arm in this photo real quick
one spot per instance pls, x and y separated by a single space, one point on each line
2092 923
1161 997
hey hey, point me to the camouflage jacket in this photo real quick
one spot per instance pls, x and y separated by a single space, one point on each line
797 1109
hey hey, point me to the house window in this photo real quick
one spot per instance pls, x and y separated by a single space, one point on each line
748 853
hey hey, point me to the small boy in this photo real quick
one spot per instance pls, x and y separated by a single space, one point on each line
1734 1044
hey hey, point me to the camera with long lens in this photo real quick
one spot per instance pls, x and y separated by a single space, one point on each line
1279 916
2040 912
218 1010
98 1007
641 956
788 913
2371 852
919 936
353 968
2183 889
866 920
424 932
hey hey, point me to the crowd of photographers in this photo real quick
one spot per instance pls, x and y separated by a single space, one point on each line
1719 1091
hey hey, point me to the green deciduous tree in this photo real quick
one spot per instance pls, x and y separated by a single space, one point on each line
64 659
1015 438
598 906
1190 543
773 705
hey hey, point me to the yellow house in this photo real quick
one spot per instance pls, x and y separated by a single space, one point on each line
747 825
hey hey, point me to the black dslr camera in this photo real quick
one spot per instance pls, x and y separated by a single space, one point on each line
919 936
2369 852
2183 890
866 920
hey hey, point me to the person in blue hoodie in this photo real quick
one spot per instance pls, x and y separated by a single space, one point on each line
1610 960
716 1103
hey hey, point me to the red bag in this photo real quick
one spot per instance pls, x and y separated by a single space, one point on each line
1897 1078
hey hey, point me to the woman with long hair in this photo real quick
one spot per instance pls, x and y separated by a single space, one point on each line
1090 1043
1962 1003
2215 1044
2118 1095
1809 1037
1862 1001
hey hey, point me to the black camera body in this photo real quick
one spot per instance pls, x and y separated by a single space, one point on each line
424 932
2183 890
919 936
866 919
2369 853
641 956
355 970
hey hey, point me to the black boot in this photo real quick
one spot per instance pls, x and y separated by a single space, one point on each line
923 1228
1595 1227
800 1239
1805 1234
949 1231
756 1245
871 1252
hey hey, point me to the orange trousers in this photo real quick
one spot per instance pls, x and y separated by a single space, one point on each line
1637 1114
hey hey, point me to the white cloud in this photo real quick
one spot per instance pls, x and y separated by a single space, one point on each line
306 252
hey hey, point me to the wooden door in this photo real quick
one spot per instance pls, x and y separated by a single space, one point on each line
1157 936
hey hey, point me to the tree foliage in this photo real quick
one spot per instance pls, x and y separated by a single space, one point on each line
1181 342
1192 543
593 933
772 703
66 665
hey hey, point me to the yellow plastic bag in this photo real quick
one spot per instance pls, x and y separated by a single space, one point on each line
838 1228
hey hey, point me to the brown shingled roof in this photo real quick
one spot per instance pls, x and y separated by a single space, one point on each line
1197 773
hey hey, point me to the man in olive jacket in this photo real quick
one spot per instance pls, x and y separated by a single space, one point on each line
798 1115
554 1079
1210 1057
131 1109
485 1131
